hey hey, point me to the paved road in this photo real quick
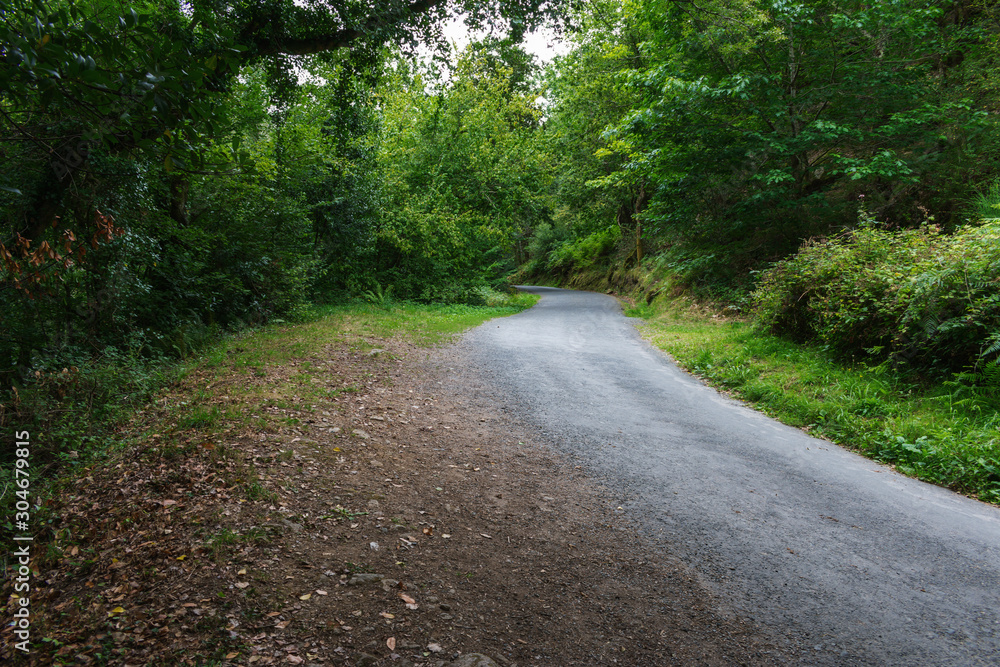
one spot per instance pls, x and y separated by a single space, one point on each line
841 557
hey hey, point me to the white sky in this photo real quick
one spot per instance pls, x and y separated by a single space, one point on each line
542 43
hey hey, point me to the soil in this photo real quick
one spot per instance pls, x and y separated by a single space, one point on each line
407 520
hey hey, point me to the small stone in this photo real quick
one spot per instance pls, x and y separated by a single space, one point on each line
473 660
373 504
364 578
361 434
445 606
374 353
446 617
365 660
291 525
389 584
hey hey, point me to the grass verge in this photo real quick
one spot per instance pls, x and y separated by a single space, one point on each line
75 416
946 433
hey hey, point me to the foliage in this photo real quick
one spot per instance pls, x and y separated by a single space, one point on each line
921 297
742 128
582 253
461 169
588 189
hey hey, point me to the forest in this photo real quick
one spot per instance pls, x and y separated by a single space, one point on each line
171 172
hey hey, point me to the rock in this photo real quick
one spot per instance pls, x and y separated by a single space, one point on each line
364 660
291 525
389 584
373 504
445 606
474 660
361 434
364 578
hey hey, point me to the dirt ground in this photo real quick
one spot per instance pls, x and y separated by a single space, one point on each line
405 521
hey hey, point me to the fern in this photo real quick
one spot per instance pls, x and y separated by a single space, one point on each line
989 373
378 296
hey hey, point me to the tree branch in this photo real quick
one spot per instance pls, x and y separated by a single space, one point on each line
304 46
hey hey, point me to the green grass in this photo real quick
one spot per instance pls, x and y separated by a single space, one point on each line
75 434
946 433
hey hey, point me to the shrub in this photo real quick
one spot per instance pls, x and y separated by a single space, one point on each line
582 253
918 296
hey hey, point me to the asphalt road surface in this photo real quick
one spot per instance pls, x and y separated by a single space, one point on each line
844 560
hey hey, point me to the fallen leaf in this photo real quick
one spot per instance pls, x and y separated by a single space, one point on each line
230 656
386 614
181 557
428 531
282 625
243 571
489 537
391 643
406 598
306 596
116 610
318 592
445 536
295 660
241 584
272 614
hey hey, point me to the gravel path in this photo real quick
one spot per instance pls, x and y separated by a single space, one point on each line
843 560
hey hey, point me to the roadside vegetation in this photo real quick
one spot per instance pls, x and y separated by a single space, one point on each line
946 432
78 420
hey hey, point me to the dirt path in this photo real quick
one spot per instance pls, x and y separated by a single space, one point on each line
405 523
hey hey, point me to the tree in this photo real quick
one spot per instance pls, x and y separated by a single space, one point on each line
462 173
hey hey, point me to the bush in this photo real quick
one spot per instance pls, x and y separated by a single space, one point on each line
919 296
583 252
545 240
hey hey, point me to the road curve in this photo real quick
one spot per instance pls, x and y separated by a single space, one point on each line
847 561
